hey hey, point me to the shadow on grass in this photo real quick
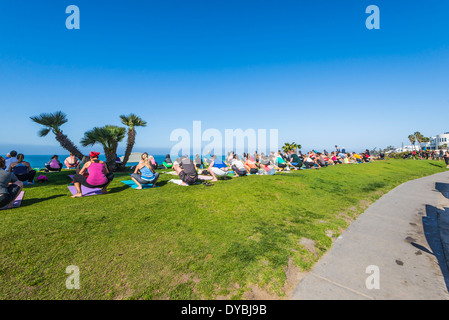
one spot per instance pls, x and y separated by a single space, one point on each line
29 202
436 165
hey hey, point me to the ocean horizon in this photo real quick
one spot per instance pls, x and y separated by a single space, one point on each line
39 161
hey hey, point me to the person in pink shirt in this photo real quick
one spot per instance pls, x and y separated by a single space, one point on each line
53 164
99 175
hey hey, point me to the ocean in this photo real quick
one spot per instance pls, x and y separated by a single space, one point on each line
39 161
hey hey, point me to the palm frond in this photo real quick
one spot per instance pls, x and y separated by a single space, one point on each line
132 121
108 136
43 132
55 119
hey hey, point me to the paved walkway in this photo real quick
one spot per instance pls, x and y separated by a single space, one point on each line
405 234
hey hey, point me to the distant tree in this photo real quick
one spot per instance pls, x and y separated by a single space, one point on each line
412 139
52 122
419 138
287 147
109 137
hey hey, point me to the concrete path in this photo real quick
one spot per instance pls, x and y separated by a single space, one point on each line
404 237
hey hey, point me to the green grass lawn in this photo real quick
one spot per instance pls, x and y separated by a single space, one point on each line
239 239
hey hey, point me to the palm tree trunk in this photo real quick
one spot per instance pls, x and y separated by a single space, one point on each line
110 160
129 145
68 145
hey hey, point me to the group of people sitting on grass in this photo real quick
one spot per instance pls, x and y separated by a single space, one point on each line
428 155
94 173
262 164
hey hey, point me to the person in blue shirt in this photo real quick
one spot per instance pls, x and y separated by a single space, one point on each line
217 168
22 169
144 173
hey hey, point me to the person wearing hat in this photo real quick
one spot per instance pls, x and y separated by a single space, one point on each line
99 175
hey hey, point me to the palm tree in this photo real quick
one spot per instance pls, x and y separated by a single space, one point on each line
412 139
419 138
53 122
290 146
109 136
131 121
296 146
286 147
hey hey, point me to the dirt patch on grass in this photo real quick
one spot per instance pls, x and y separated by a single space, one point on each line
309 245
294 276
256 293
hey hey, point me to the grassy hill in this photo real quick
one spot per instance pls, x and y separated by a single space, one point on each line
243 238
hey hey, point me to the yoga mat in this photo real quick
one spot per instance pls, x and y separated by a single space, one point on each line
17 202
203 177
178 182
133 185
85 191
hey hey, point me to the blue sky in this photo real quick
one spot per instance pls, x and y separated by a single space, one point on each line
308 68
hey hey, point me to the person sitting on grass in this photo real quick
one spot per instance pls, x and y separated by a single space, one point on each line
237 166
357 158
22 169
347 159
309 162
320 160
153 162
118 161
365 157
186 170
282 163
217 169
251 165
296 160
10 186
229 158
71 162
198 162
11 159
53 164
144 173
99 175
168 163
336 159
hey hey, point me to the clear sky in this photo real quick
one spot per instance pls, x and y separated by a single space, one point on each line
308 68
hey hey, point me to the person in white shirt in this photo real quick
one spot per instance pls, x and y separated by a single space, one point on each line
11 160
238 167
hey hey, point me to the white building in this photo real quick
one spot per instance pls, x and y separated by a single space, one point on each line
437 142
